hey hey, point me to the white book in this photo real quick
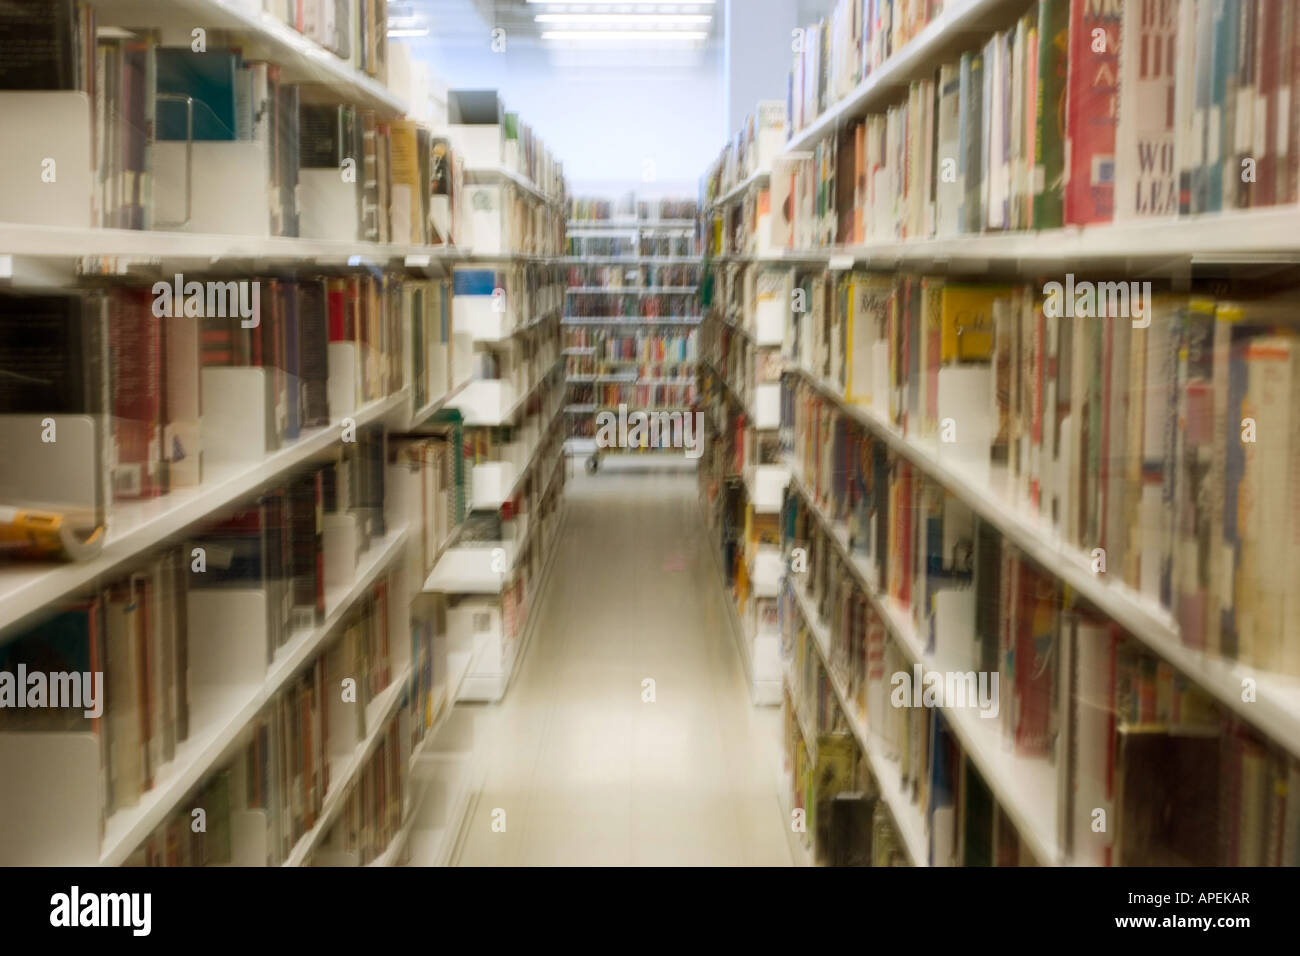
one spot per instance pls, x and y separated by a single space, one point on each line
1146 160
1269 550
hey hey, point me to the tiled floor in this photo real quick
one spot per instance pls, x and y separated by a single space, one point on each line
586 772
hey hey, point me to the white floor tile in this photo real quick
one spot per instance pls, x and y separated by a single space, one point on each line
591 775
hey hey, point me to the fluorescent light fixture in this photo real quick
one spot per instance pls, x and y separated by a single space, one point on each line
617 19
627 3
624 35
409 33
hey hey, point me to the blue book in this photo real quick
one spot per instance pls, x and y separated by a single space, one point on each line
1223 67
209 78
474 281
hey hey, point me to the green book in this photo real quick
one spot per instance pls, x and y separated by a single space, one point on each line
1049 114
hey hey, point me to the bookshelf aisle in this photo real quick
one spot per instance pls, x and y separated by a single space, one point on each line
630 317
250 405
1018 412
979 335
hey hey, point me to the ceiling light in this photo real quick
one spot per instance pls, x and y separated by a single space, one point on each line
627 3
409 32
617 19
624 35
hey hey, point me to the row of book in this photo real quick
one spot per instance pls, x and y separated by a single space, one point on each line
375 806
130 363
353 30
433 484
627 207
1077 114
523 292
751 373
321 169
759 141
296 749
609 304
489 136
845 821
634 396
439 351
677 244
544 509
428 696
137 634
835 54
1167 442
641 347
131 638
633 276
965 824
978 606
628 369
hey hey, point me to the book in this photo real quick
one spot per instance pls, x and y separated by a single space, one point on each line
41 46
1146 169
1092 104
209 79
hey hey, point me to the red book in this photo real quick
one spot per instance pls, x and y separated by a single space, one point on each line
135 345
1267 56
336 299
1039 601
1092 110
1287 190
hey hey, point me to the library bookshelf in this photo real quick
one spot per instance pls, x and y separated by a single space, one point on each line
1058 452
630 318
424 414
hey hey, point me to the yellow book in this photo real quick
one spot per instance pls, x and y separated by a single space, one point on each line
967 321
405 173
35 533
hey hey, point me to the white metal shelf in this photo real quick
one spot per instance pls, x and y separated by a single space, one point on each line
628 225
120 249
630 260
630 320
498 174
1167 246
135 527
637 289
739 189
434 846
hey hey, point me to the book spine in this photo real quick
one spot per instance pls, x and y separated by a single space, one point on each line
1092 106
